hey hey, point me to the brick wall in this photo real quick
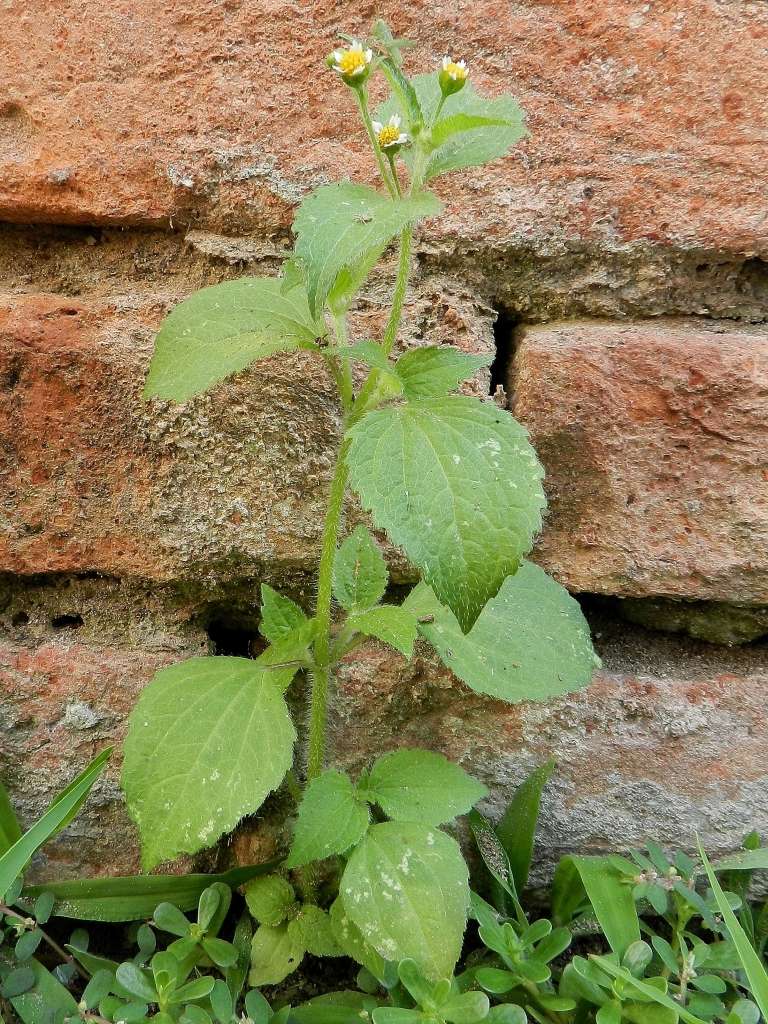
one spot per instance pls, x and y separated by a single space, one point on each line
618 261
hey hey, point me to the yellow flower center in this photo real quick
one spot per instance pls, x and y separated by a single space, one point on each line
455 71
351 61
388 135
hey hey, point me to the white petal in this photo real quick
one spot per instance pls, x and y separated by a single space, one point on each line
395 120
358 71
446 62
377 126
402 139
336 55
368 56
354 45
461 64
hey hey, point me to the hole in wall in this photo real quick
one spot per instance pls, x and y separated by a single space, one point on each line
20 619
233 633
67 622
753 277
504 330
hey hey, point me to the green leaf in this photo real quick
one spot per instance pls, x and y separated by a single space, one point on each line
270 899
473 131
359 572
456 483
275 952
209 739
10 830
405 888
280 616
530 642
650 992
331 819
169 918
434 371
342 229
751 963
351 940
419 785
610 896
390 623
222 329
517 828
314 927
15 859
135 981
193 990
46 1001
134 897
495 859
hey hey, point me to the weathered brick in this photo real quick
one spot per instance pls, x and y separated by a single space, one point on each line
96 479
669 740
654 436
224 115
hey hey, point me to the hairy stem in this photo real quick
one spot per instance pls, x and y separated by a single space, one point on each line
321 674
362 101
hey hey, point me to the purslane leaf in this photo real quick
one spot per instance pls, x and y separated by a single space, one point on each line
423 786
279 615
436 370
208 739
275 952
406 889
340 231
473 130
331 819
222 329
456 483
359 571
389 623
530 642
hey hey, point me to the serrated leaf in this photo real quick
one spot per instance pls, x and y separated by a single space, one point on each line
279 615
341 229
359 571
405 888
420 785
389 623
208 740
269 899
351 940
473 129
436 370
456 483
275 952
314 927
222 329
331 819
530 642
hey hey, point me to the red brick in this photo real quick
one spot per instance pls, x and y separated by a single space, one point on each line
646 123
654 437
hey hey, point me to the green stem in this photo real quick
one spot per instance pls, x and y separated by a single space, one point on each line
368 390
362 102
321 674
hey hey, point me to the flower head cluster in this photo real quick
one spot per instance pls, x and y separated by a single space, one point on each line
453 75
353 63
389 136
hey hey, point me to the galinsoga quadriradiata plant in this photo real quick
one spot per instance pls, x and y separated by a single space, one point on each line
454 482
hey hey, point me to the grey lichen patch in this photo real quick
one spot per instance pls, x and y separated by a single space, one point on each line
80 715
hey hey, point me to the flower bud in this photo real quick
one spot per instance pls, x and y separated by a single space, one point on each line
352 63
452 76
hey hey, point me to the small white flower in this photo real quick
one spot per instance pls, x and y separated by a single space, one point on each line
456 70
352 61
389 134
